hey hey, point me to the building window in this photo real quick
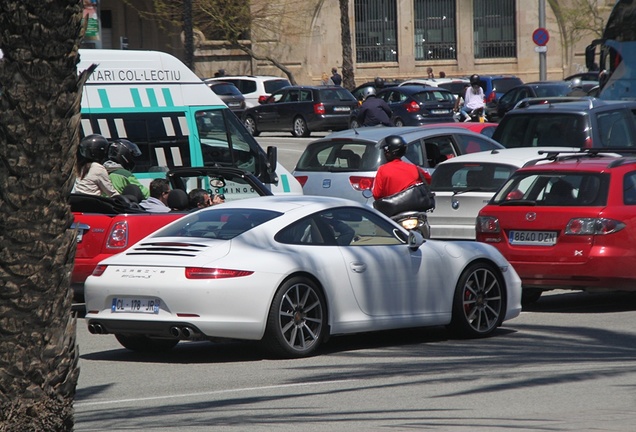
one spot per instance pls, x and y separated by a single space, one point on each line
495 28
435 30
376 38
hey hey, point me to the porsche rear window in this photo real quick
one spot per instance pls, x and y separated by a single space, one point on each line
464 177
217 223
566 189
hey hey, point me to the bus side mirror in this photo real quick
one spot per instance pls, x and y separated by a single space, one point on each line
590 52
272 159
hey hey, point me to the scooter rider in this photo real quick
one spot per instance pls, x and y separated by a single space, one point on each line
473 98
374 111
395 175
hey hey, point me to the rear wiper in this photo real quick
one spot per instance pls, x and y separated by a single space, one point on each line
474 189
518 203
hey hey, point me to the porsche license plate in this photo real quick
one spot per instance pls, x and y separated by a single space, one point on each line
135 305
532 238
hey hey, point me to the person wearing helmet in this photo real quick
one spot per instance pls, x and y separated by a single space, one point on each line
121 162
576 84
92 178
395 175
473 98
374 111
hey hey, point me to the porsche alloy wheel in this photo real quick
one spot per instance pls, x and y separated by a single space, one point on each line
297 319
145 343
250 125
479 304
300 128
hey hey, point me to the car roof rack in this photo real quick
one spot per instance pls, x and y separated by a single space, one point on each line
561 155
524 103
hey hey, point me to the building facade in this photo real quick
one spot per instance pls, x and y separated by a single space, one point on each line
389 38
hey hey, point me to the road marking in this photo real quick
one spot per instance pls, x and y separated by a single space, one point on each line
189 395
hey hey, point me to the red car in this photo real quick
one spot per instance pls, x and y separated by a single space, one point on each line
569 224
484 128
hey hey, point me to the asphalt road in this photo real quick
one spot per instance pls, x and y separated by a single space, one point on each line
566 364
289 147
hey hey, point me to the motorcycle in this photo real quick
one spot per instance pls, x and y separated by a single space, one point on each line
414 221
411 220
477 115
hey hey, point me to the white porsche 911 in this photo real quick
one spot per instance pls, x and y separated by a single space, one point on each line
290 271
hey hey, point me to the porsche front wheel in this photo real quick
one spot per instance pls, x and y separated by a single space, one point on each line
479 304
297 321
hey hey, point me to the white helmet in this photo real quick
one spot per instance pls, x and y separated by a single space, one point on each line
369 91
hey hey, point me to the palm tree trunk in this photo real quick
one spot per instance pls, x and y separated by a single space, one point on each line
348 77
39 132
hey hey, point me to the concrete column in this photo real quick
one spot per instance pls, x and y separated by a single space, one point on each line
465 46
406 38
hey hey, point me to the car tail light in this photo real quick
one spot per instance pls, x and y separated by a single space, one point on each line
588 142
491 97
118 237
360 183
412 107
302 180
488 225
262 99
319 108
593 226
214 273
99 270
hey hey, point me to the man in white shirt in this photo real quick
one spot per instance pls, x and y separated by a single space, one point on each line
473 98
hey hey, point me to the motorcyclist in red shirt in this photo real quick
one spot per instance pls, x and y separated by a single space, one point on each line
395 175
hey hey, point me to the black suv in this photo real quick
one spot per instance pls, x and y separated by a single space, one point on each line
587 123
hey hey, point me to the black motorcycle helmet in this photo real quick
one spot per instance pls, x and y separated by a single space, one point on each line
394 147
474 79
123 152
93 148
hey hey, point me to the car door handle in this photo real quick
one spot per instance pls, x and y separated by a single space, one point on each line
358 267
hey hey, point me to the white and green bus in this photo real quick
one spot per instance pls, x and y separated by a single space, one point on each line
152 99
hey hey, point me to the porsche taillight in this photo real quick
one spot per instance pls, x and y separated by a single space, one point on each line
214 273
99 270
118 237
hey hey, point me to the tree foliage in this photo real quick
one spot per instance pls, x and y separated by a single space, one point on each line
39 126
237 23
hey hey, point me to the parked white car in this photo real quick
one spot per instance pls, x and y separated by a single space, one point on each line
463 185
255 89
